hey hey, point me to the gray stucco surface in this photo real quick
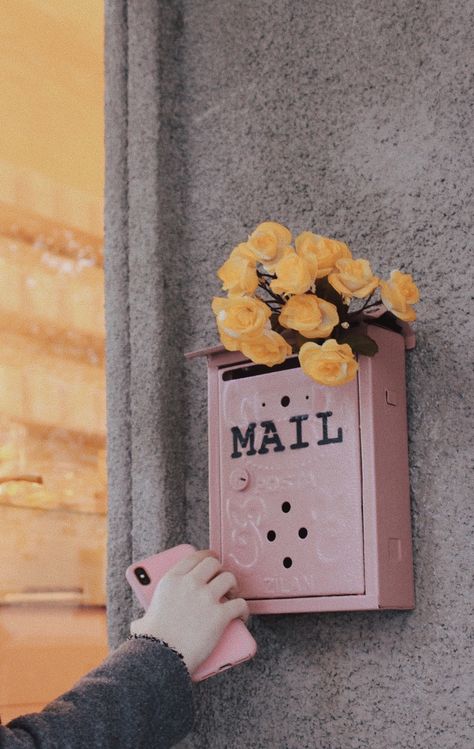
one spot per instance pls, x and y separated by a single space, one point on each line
352 119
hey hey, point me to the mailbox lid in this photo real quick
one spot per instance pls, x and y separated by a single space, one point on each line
290 486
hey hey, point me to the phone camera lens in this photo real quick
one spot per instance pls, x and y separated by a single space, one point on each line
142 576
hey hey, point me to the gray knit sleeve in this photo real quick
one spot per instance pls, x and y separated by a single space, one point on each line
140 697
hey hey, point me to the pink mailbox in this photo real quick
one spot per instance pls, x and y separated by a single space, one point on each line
308 484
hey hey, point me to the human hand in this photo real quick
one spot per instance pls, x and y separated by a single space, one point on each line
186 610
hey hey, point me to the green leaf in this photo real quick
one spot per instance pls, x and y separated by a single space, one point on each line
274 317
387 320
325 291
300 340
360 343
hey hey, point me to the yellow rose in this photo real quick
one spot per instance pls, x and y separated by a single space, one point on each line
239 274
231 344
306 249
329 364
398 294
269 349
311 316
294 275
270 267
322 250
240 318
353 278
269 243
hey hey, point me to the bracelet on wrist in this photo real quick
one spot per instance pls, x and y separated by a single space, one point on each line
156 639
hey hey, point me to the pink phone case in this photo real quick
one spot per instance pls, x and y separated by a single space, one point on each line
236 644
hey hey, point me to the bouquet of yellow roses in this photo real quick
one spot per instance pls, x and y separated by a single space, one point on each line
304 299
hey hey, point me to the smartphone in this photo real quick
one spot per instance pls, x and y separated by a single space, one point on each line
236 644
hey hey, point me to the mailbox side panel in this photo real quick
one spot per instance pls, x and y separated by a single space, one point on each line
213 444
384 442
215 360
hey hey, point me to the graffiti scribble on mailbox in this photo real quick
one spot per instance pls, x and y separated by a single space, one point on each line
284 527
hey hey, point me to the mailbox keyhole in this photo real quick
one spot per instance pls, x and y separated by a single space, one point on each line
285 401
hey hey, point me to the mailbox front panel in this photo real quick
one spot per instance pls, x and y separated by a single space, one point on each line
290 484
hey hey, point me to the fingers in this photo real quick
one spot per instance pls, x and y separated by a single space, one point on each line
190 562
206 569
223 583
204 566
236 608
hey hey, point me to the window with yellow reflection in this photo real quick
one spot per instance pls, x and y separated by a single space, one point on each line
52 413
53 492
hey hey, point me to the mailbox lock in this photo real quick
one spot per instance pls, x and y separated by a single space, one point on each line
239 479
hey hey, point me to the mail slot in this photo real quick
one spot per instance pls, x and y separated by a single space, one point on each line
308 484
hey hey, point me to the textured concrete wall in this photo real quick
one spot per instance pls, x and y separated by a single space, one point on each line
353 119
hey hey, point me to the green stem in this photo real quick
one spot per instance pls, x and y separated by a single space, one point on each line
262 274
366 306
269 291
367 301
